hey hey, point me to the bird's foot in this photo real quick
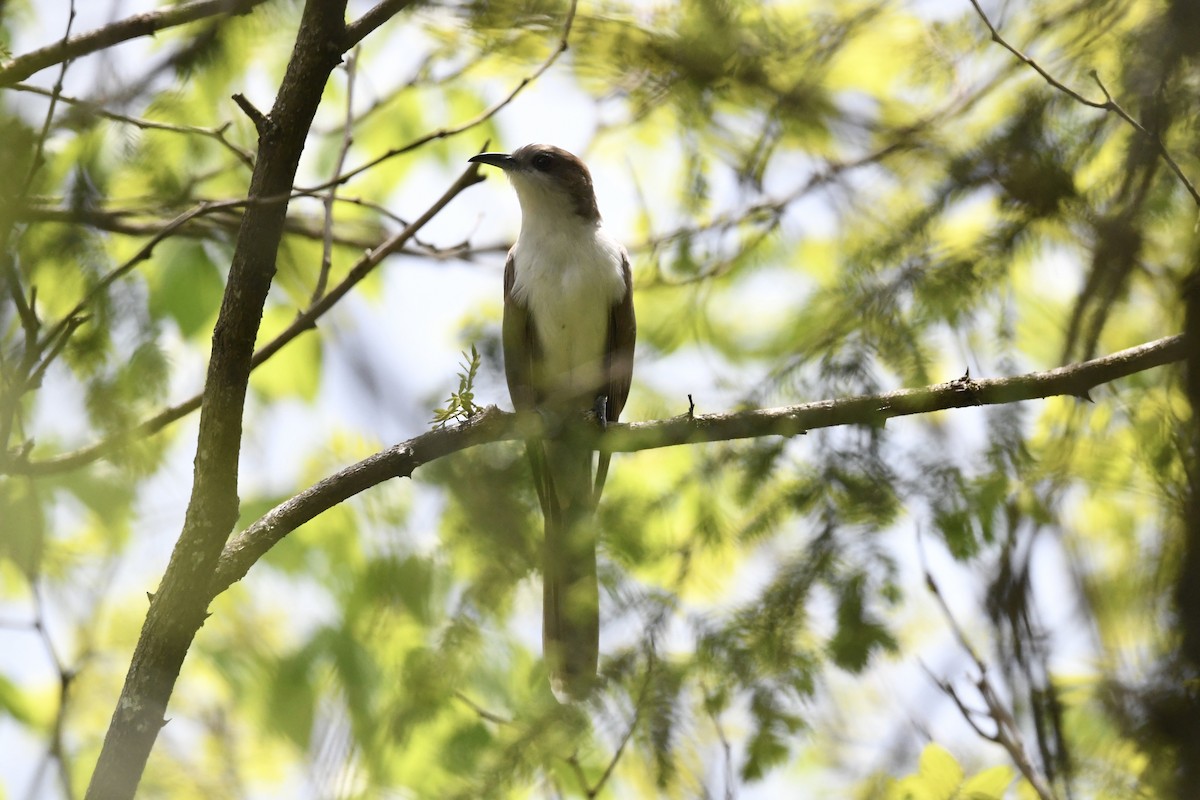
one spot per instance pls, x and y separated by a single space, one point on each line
600 409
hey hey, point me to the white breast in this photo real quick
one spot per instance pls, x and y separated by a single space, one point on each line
568 277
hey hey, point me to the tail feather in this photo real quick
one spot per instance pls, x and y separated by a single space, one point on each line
571 593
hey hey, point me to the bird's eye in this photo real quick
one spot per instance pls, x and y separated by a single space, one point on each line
542 161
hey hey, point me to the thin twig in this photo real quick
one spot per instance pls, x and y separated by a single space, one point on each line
968 714
261 124
443 133
1008 733
143 253
122 221
580 775
331 195
726 748
767 213
217 133
66 677
1158 142
1109 103
39 152
27 311
482 712
56 347
633 723
418 77
1050 79
304 321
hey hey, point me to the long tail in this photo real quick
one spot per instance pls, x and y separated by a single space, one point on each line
570 592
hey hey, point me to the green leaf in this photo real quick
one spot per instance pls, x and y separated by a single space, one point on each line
940 774
991 784
187 287
13 702
858 635
293 371
291 700
24 537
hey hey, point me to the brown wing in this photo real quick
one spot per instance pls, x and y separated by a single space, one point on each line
520 345
521 350
622 335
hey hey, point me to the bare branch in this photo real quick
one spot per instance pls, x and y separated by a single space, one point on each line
493 425
1109 103
21 67
27 311
1074 380
331 196
363 26
303 322
217 133
443 133
1008 734
639 704
482 712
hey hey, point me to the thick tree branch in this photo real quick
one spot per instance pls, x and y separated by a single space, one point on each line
179 607
493 425
21 67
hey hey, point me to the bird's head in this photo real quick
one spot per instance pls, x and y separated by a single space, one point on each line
549 181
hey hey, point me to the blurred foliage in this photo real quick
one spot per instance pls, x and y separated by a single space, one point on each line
823 199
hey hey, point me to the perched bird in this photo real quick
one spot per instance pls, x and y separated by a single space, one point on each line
569 333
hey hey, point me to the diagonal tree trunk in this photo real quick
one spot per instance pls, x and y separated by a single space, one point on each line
178 608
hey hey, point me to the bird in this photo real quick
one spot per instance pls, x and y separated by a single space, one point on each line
568 341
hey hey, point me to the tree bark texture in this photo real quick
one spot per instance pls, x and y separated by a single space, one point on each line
180 606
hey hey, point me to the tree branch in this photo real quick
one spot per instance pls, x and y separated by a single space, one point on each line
21 67
443 133
89 107
304 321
363 26
179 607
1109 103
1008 733
494 425
226 221
27 312
350 68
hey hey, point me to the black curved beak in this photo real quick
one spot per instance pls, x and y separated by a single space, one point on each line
501 160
